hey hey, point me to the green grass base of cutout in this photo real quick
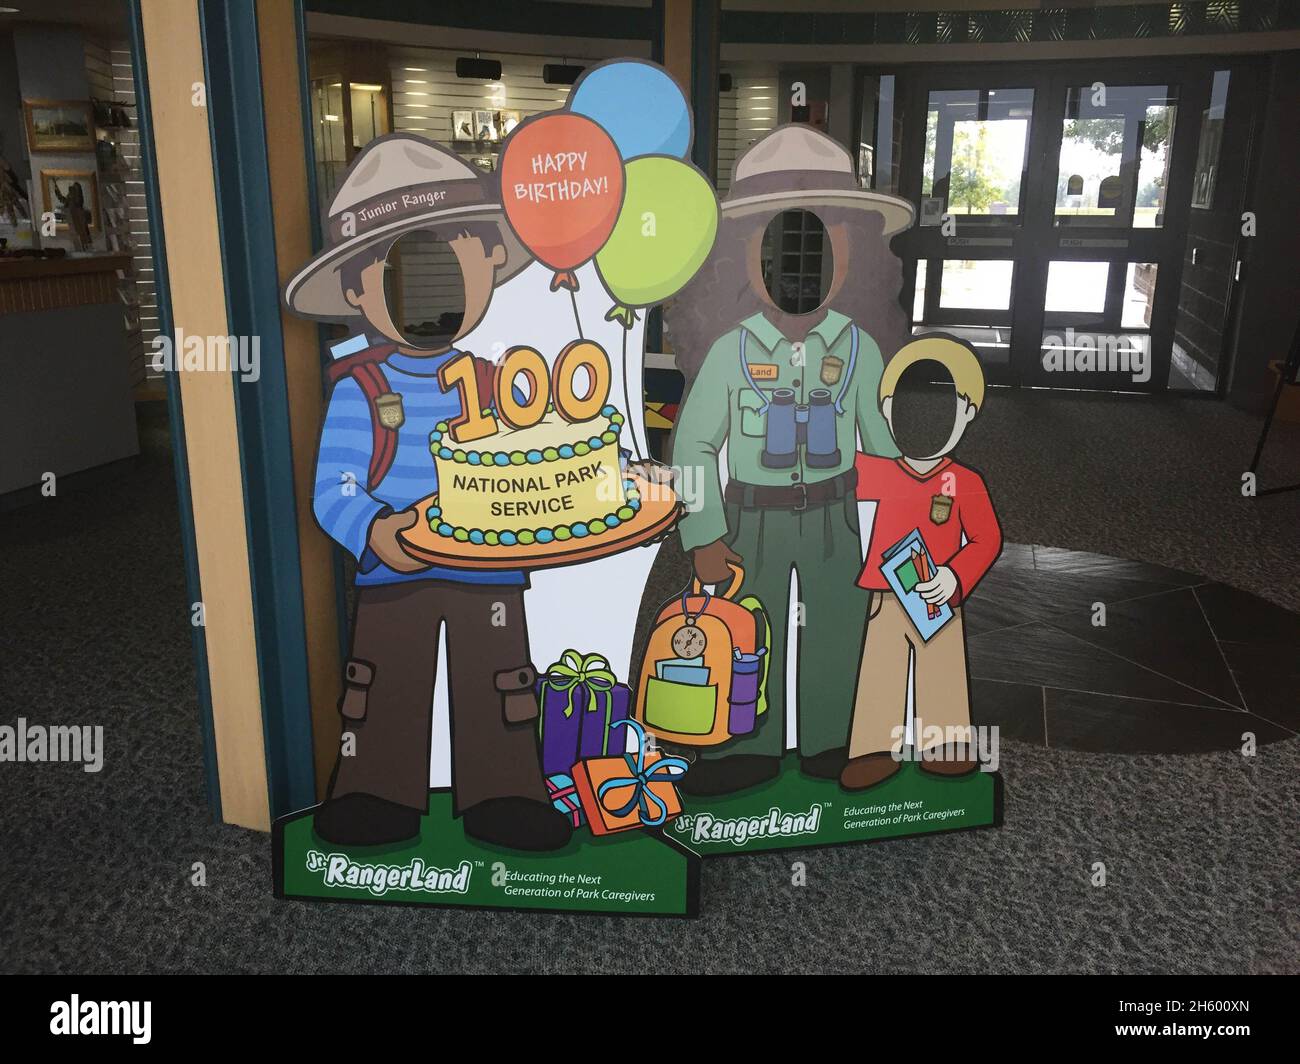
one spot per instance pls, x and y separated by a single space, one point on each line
632 872
813 812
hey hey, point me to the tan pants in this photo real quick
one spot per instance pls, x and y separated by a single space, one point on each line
941 692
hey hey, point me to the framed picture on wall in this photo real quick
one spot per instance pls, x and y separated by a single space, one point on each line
485 127
59 125
462 125
66 190
506 121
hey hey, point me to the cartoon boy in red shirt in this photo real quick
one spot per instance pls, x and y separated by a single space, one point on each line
924 490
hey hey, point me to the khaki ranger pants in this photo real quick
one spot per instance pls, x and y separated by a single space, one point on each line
821 544
388 694
942 697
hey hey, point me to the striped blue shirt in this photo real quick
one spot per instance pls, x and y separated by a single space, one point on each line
345 509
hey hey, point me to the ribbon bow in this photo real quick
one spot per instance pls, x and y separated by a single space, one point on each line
665 770
592 672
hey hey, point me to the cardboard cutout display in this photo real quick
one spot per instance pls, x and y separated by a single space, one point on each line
501 746
456 475
792 425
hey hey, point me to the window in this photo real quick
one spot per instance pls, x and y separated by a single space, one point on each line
1076 287
976 142
975 284
1139 295
1115 153
1211 140
880 143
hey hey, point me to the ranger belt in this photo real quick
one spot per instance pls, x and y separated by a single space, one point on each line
791 497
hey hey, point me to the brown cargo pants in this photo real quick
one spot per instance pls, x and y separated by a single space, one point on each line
387 701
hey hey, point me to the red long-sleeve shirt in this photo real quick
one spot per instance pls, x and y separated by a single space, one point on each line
905 501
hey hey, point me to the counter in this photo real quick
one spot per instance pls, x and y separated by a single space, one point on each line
65 393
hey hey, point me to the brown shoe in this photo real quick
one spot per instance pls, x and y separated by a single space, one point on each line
957 761
824 766
868 770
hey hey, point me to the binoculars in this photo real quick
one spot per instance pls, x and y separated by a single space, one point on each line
791 424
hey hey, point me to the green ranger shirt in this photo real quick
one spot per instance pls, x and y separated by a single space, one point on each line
724 407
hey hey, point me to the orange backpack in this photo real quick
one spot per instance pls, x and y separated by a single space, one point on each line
703 687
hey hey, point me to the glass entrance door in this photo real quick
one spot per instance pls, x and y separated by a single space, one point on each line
1054 207
1105 237
970 187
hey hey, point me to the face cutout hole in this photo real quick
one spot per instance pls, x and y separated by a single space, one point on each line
797 261
923 413
424 289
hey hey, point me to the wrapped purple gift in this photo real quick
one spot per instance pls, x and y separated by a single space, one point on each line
580 699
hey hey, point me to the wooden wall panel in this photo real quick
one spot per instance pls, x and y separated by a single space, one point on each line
174 59
287 157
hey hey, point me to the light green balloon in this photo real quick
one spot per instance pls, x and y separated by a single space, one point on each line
664 231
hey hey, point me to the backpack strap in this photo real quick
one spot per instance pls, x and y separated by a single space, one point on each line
364 367
749 377
697 588
853 361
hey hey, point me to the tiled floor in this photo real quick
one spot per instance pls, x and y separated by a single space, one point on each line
1179 666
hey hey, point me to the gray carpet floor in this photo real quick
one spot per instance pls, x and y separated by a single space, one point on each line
1200 852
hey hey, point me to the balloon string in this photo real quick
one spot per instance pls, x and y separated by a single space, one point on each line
627 398
578 321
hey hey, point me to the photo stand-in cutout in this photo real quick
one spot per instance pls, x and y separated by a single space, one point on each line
565 775
481 461
795 348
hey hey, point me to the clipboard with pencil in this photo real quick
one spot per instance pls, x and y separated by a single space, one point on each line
904 565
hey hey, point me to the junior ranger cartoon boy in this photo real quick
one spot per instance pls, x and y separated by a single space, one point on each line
373 464
925 491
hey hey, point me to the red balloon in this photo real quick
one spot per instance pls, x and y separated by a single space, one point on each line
562 188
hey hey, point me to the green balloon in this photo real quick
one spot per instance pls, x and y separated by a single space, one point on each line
663 234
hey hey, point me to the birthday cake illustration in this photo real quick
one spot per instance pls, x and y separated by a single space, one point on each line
539 479
552 482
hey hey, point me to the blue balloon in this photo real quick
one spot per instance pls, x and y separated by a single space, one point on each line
639 105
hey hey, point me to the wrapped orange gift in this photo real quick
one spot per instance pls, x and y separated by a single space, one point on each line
632 791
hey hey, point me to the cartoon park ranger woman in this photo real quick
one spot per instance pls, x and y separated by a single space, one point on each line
788 395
